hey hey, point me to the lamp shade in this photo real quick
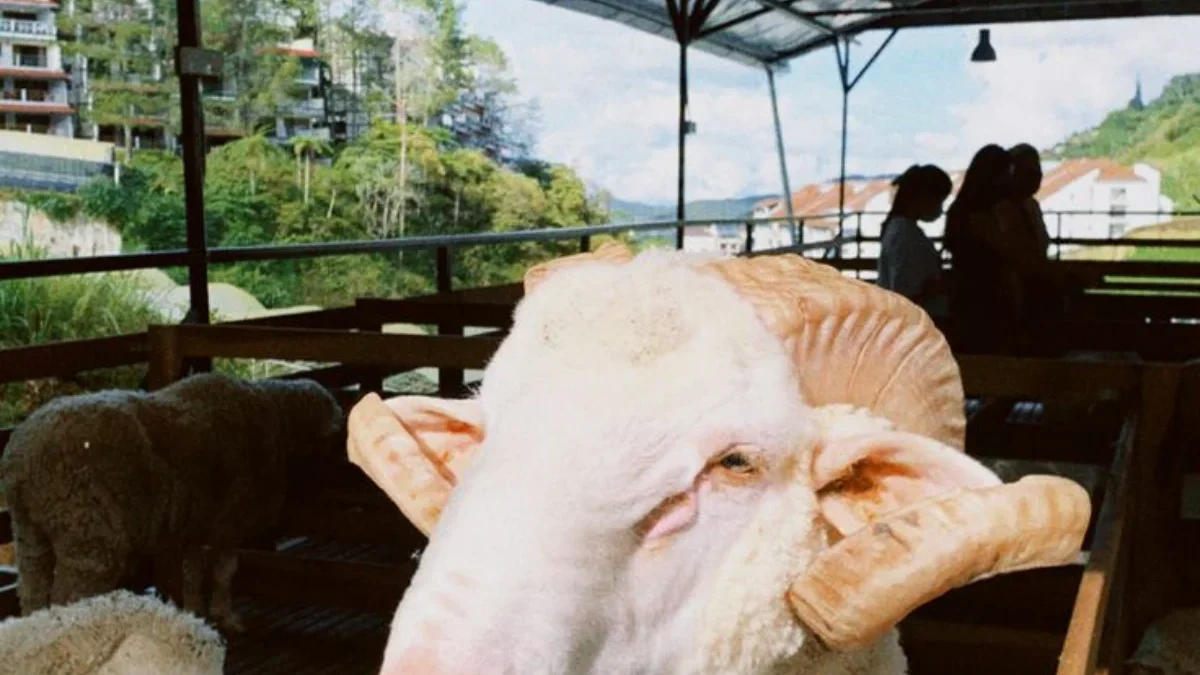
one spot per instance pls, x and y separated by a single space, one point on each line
984 51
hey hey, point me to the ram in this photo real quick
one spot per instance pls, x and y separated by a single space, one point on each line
688 465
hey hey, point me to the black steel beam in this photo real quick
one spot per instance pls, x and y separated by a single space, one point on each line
951 13
192 116
943 12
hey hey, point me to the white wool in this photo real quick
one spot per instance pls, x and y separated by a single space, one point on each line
748 627
119 633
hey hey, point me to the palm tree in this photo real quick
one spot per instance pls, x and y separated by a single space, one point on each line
306 148
255 149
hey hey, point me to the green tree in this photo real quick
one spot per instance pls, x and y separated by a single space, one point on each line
306 148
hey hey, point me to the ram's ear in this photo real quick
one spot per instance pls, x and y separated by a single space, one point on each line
864 477
415 448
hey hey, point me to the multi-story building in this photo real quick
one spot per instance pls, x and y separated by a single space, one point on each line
33 84
305 113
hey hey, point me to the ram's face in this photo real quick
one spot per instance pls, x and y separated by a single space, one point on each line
634 488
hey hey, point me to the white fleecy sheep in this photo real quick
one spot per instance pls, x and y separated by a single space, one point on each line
97 482
117 633
690 465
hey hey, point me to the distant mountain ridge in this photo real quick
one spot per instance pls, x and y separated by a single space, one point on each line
734 208
704 209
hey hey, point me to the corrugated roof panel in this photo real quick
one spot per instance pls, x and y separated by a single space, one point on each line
755 32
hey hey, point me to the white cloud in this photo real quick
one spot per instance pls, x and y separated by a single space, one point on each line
608 99
1051 80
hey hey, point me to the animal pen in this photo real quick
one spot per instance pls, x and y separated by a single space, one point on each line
319 592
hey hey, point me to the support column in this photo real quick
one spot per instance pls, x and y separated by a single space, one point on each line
842 52
192 118
687 17
681 195
797 235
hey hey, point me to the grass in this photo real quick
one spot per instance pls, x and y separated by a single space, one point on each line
53 309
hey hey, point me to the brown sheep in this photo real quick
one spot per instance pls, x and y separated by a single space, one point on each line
98 481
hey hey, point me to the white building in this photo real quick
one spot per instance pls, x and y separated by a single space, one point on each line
866 205
731 239
1101 199
33 85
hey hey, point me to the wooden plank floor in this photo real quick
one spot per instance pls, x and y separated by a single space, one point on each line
284 638
288 638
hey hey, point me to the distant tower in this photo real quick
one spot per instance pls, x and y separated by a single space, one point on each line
1137 103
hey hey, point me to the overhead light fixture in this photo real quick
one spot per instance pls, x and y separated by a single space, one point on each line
984 51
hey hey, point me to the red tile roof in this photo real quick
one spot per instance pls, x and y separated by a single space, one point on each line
1071 170
818 199
866 193
33 73
294 51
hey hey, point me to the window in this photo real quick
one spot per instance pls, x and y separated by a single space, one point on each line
26 56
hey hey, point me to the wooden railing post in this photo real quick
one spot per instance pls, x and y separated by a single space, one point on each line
1157 486
370 379
450 380
165 358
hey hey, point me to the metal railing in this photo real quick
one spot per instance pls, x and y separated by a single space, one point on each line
311 107
32 96
173 258
836 245
25 27
26 61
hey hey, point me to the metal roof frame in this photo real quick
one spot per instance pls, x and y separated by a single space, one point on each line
769 33
758 32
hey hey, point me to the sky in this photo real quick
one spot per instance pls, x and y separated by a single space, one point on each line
607 97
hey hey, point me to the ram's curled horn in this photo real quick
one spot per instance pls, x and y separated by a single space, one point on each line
863 586
855 343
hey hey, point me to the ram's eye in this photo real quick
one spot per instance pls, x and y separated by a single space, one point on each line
736 461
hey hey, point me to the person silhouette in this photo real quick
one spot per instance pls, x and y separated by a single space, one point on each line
909 264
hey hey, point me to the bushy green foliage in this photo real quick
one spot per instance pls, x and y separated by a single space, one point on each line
253 196
410 178
1164 133
50 309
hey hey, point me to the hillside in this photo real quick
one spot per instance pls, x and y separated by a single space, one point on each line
706 209
1164 133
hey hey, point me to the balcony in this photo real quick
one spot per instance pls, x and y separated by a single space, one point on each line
34 101
21 28
32 96
310 76
26 61
313 107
